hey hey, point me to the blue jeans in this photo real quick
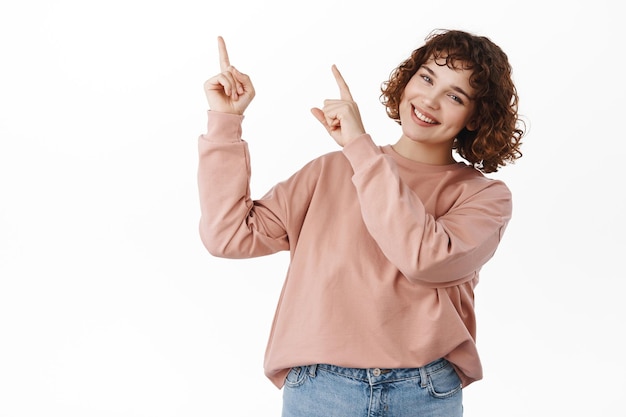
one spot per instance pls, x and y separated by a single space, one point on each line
332 391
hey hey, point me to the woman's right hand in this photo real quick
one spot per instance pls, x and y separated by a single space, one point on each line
229 91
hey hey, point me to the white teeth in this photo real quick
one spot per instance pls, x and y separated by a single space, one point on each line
424 118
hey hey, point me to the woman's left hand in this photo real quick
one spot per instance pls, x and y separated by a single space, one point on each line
341 117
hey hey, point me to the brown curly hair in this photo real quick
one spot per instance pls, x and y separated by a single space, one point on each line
497 139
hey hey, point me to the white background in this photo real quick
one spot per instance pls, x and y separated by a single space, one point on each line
109 304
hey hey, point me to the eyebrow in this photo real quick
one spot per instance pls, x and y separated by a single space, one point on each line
454 87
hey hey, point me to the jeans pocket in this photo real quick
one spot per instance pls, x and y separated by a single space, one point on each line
296 376
444 382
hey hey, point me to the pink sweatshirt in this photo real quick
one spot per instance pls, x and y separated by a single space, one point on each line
385 251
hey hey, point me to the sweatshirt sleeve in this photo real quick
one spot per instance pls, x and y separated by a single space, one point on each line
442 251
232 225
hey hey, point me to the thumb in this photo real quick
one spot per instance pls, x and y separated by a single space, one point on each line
319 115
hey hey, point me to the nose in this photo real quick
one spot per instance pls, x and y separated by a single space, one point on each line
431 99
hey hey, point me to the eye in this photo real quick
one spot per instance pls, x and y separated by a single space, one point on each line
456 98
426 78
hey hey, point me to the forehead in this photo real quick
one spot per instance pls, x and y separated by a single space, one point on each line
440 66
452 58
444 60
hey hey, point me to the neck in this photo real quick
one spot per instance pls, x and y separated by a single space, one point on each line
440 154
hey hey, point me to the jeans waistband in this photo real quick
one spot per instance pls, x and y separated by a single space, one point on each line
381 375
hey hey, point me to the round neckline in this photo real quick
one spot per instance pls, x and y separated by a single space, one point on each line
411 164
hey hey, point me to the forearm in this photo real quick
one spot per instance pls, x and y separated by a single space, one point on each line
228 226
429 250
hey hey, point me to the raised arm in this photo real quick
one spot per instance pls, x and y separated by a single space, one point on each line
231 223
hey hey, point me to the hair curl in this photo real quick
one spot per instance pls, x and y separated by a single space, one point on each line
497 138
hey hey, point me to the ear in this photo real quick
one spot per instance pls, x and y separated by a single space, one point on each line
471 125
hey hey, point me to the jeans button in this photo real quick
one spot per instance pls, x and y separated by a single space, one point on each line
376 372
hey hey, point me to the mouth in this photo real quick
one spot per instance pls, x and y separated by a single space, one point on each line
424 118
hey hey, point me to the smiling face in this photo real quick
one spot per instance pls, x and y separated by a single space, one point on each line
435 106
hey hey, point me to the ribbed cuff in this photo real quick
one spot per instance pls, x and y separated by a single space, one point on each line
361 152
223 127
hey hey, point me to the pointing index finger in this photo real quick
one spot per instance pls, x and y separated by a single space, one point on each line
224 61
344 91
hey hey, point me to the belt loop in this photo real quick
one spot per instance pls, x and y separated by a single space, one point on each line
312 370
423 377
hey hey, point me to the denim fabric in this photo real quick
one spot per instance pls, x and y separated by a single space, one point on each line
332 391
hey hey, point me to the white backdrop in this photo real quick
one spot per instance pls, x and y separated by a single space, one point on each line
109 304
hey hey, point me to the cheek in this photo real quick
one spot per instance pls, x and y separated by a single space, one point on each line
403 104
464 116
411 88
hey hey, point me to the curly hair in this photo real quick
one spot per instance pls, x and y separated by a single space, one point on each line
497 139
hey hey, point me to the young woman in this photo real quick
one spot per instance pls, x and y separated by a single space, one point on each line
376 315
